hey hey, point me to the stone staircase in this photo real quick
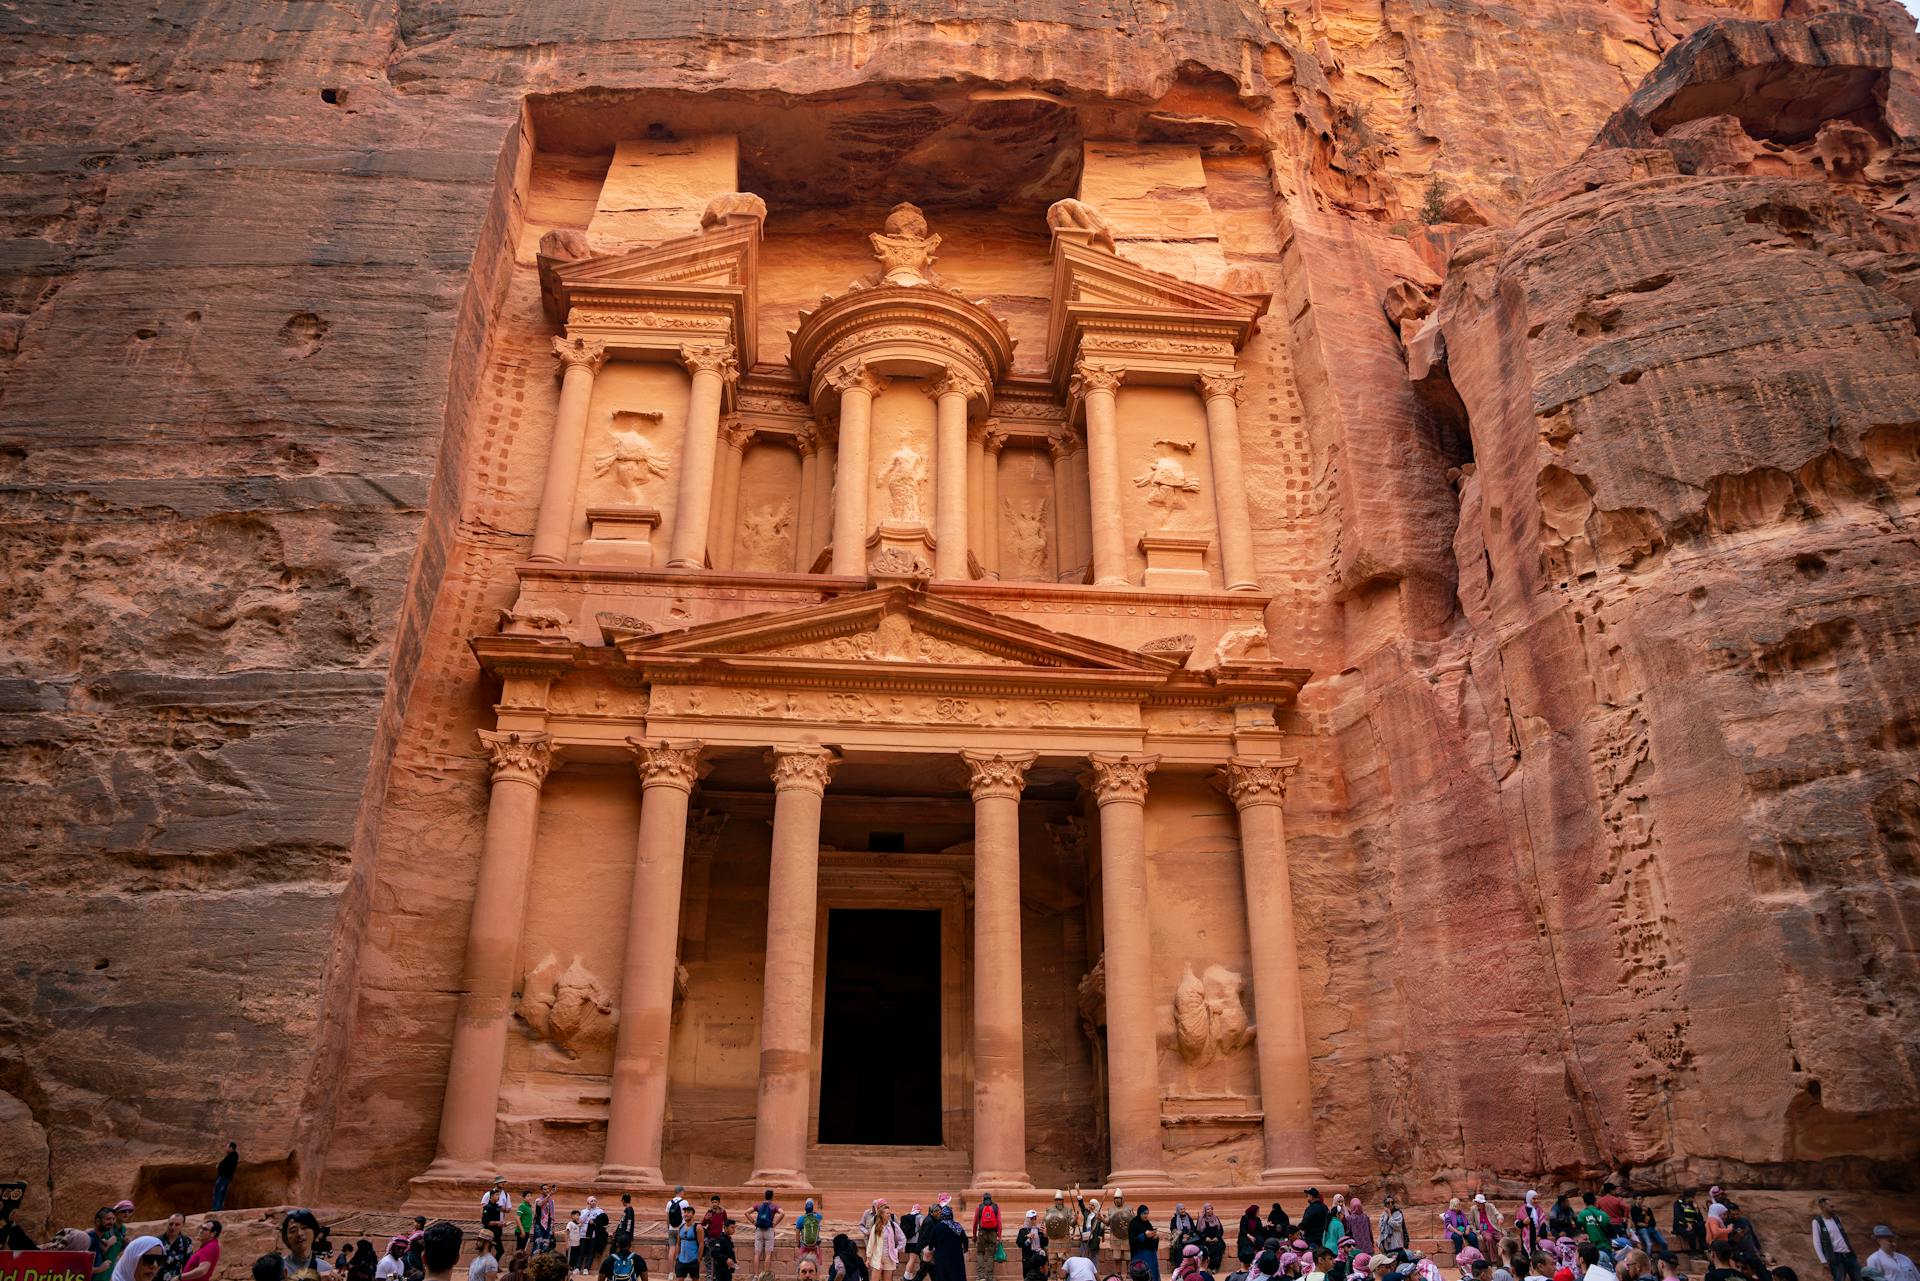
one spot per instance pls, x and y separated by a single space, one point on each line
851 1169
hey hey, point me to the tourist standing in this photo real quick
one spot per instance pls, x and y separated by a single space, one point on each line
1528 1223
766 1217
175 1245
1886 1263
885 1242
543 1220
686 1253
576 1241
711 1225
1593 1221
1143 1242
494 1208
523 1220
593 1235
486 1259
299 1234
1830 1244
806 1234
1091 1234
1359 1226
1720 1263
720 1253
223 1176
1609 1200
204 1262
1393 1227
1313 1219
986 1236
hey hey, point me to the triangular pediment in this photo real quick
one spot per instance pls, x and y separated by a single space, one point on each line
893 626
718 256
689 283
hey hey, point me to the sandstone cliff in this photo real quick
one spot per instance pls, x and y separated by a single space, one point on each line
1609 853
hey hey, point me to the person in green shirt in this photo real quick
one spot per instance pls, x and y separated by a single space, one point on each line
1592 1220
524 1213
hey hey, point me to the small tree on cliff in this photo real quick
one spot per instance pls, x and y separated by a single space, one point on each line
1434 201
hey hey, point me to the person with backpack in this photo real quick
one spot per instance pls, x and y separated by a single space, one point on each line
766 1217
986 1236
623 1262
806 1234
679 1210
686 1252
720 1253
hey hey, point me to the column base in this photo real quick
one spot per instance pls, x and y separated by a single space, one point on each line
1127 1180
449 1168
784 1180
684 563
1001 1181
1111 582
646 1176
1243 587
1302 1176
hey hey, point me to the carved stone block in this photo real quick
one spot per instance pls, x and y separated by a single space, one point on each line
1176 562
620 536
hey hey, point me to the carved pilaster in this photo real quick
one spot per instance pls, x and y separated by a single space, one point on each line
1090 377
805 769
664 763
1119 776
711 358
580 353
1001 774
736 434
1063 446
1221 382
807 441
957 382
1256 780
523 755
996 437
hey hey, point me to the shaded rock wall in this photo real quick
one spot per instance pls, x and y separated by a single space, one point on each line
259 262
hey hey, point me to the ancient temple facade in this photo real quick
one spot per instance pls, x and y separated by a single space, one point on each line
898 720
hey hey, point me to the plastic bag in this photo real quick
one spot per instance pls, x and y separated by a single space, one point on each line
999 1252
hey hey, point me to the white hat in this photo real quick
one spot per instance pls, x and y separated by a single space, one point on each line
1479 1198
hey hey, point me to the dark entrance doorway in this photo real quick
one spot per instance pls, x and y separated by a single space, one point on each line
880 1051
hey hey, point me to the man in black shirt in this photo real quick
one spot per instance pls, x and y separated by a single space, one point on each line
223 1175
1720 1264
1313 1220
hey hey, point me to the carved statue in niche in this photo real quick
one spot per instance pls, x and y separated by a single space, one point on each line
567 1008
1167 480
1209 1016
631 460
905 248
763 535
1092 995
1024 537
1078 215
903 476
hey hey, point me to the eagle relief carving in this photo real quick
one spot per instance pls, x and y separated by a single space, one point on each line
1167 480
630 461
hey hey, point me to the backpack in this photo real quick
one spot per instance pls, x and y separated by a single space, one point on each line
989 1217
623 1268
763 1215
674 1217
809 1229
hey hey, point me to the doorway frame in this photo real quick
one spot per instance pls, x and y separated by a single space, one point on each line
915 882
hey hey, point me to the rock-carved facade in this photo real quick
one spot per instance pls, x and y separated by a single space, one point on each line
886 662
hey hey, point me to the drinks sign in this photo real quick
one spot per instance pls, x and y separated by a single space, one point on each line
45 1265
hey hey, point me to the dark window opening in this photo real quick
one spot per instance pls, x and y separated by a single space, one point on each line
886 842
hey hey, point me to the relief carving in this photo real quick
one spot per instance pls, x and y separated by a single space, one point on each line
631 459
905 472
1241 642
567 1008
905 247
533 620
615 628
1167 480
1175 647
1024 536
1209 1016
898 562
763 535
730 204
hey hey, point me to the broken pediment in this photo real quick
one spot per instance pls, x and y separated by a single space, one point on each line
698 284
1101 299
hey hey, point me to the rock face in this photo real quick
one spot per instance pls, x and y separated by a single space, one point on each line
1608 832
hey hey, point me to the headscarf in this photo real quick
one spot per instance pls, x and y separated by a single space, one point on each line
1250 1222
1208 1219
130 1257
849 1258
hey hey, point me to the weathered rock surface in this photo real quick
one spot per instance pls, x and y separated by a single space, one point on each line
1608 851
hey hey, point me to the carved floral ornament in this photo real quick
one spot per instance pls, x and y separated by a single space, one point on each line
523 756
1221 382
580 353
997 774
806 769
1089 377
1256 780
855 376
957 382
1119 776
710 358
667 764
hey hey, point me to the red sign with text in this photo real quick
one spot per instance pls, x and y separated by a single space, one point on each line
45 1265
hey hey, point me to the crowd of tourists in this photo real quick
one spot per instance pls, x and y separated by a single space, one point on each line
1588 1236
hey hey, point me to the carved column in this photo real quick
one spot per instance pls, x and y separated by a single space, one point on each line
580 360
977 487
1094 386
951 393
825 488
724 523
639 1106
1119 785
857 386
999 1076
713 368
808 444
990 446
1222 391
520 763
800 777
1258 787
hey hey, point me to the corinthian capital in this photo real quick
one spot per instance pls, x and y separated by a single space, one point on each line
580 353
1119 776
710 358
997 773
667 764
1256 780
1088 377
806 769
957 382
1221 382
855 376
735 433
524 755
